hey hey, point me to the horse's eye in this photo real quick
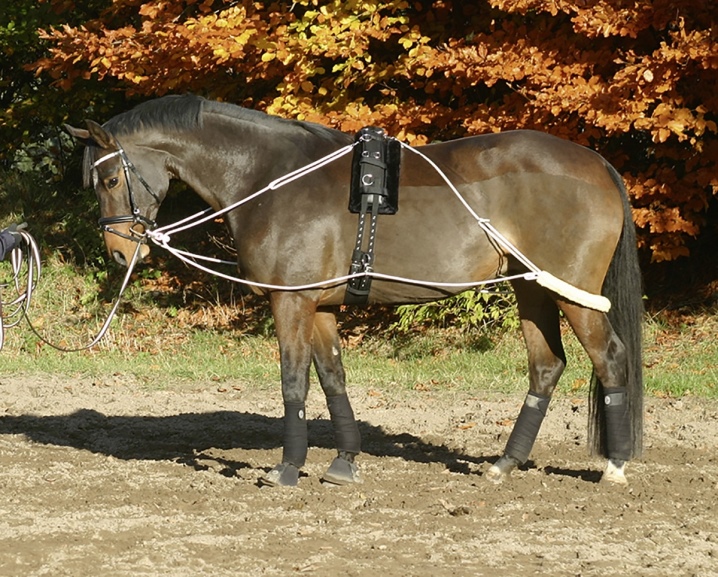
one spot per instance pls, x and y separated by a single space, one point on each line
113 182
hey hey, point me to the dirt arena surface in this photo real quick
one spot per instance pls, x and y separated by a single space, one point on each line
113 479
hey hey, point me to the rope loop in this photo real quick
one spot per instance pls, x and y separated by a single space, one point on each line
33 276
11 313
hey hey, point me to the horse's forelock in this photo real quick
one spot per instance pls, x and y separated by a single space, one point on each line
87 167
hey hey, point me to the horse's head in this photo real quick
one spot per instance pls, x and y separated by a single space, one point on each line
129 191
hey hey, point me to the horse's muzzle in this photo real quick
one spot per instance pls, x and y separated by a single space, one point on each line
121 240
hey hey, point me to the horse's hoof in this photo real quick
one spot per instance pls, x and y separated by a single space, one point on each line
614 474
500 471
283 475
342 472
496 475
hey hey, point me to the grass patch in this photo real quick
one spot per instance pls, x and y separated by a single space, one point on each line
681 355
198 330
180 325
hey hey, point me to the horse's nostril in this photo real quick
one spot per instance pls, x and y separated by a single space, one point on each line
119 257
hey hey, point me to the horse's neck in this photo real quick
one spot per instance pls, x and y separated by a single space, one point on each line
225 171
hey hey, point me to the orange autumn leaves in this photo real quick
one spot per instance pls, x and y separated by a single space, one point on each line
635 79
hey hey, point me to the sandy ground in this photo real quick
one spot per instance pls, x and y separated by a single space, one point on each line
112 479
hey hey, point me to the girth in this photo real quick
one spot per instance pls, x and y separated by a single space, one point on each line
374 191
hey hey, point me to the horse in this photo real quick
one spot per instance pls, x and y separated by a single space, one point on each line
559 205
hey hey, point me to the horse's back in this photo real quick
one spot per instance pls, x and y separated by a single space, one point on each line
553 199
489 156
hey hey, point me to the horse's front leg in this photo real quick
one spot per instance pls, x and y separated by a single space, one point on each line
326 350
546 359
294 323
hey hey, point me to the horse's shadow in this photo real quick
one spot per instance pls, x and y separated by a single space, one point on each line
183 438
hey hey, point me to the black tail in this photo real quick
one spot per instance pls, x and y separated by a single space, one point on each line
623 287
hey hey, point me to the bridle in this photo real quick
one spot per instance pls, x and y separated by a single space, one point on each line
136 217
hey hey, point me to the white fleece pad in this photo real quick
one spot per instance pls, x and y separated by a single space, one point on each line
576 295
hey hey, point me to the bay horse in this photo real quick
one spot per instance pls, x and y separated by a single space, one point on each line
561 205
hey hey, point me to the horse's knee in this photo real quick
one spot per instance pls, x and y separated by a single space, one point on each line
326 354
611 366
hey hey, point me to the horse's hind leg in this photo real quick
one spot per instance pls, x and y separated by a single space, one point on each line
326 351
608 356
546 361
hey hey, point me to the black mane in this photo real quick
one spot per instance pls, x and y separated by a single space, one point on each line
172 112
181 113
184 112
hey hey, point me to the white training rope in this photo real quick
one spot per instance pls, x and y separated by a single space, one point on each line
484 223
189 258
162 237
210 214
12 312
22 301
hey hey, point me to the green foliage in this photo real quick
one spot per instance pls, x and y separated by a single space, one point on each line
64 222
470 310
31 109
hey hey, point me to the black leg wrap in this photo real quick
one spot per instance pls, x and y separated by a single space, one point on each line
346 430
527 427
295 434
618 425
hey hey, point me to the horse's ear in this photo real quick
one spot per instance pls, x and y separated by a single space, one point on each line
103 138
94 135
80 134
